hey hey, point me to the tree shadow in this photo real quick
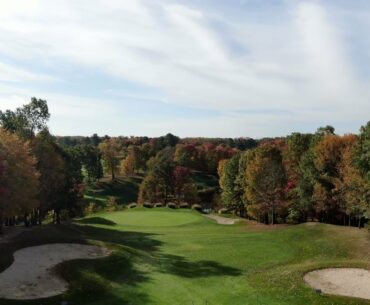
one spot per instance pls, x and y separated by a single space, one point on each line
180 266
96 221
164 263
111 280
134 240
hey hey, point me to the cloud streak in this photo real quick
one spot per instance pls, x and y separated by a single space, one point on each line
297 62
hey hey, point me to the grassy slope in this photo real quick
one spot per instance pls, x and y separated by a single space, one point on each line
125 189
164 256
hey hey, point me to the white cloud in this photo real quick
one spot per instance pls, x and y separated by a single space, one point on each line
9 73
299 64
325 55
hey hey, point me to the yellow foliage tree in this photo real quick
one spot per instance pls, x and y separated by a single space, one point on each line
20 181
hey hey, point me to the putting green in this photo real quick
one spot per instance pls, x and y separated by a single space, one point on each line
156 217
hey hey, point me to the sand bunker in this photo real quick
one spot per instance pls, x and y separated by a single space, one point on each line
222 220
31 275
351 282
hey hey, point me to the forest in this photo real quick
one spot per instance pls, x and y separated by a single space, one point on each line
302 177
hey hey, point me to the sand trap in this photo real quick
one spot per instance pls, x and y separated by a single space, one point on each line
222 220
351 282
31 275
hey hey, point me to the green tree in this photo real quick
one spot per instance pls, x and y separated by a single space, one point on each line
301 175
51 166
362 162
92 163
231 191
26 120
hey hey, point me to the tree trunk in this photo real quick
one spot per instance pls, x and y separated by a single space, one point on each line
1 222
39 217
25 220
273 213
57 217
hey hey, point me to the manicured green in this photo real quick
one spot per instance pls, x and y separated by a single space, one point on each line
156 217
165 257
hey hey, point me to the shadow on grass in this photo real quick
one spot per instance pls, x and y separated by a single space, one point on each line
96 221
134 240
124 189
112 280
180 266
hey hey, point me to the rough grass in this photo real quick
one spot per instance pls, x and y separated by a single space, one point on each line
125 189
165 256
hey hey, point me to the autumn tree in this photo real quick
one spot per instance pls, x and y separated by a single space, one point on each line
150 190
328 158
127 165
2 175
265 181
167 181
110 150
135 160
351 188
19 179
186 155
183 188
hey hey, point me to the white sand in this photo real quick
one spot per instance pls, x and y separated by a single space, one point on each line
351 282
31 275
222 220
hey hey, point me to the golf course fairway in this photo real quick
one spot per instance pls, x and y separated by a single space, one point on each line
162 256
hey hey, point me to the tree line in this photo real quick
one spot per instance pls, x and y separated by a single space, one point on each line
37 176
42 175
320 176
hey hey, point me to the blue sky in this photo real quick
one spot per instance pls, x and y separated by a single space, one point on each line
190 67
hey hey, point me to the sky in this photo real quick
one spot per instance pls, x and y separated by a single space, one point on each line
217 68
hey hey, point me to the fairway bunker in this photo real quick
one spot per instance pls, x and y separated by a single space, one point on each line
350 282
32 276
222 220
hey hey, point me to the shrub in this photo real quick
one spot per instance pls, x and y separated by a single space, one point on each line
197 207
147 205
293 216
64 215
158 205
91 208
132 205
172 205
223 211
112 204
184 205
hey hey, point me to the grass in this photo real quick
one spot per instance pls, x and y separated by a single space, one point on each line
163 256
125 189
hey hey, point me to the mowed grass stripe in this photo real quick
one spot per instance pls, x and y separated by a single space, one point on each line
192 260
